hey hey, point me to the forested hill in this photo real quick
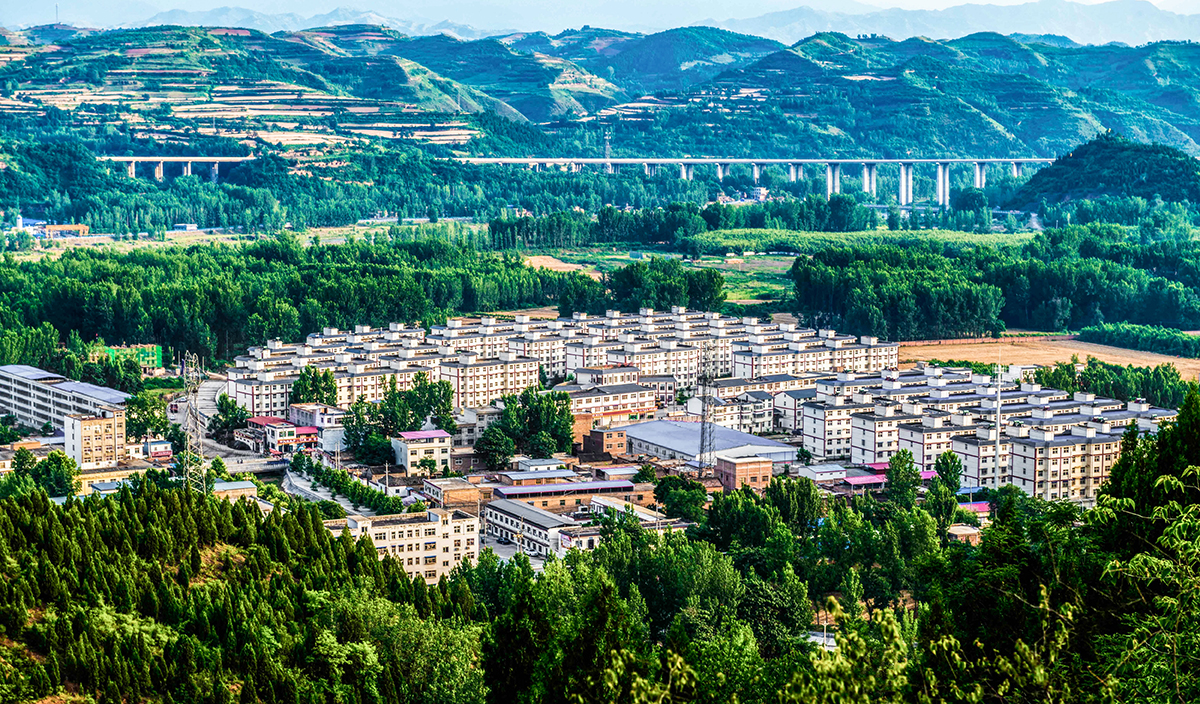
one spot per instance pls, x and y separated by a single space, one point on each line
1112 165
981 95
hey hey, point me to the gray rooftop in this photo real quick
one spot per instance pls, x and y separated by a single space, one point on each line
102 394
24 371
533 516
684 437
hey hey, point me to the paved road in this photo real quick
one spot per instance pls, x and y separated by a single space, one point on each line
300 485
207 403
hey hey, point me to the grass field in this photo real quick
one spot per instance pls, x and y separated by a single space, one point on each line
1034 350
737 241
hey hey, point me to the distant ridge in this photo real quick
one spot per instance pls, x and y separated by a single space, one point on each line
291 22
1132 22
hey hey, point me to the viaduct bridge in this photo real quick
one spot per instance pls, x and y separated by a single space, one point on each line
185 162
795 169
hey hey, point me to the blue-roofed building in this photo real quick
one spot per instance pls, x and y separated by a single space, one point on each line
36 396
680 440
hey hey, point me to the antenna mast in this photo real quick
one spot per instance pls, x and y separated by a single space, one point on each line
193 468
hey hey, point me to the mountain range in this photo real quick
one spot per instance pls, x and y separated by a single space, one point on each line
1127 21
691 90
1130 22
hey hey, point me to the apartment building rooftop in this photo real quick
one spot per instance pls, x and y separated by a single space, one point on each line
533 516
28 373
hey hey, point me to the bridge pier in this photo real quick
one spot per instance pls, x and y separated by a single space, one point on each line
904 196
187 168
131 169
1016 169
721 171
833 178
650 170
609 168
686 172
159 171
943 184
873 168
867 175
792 173
756 170
980 174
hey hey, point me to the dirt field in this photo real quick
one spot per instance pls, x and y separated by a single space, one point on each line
555 264
1039 351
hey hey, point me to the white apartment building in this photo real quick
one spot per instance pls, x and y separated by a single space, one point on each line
535 531
608 403
750 412
477 381
605 376
825 425
827 351
429 545
978 455
934 434
37 397
591 351
1067 466
875 435
412 447
774 384
667 356
487 338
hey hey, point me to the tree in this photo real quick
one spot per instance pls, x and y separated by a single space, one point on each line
57 474
145 416
903 478
852 594
645 475
495 447
681 497
803 456
228 418
949 469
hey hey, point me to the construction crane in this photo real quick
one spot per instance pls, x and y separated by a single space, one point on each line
193 425
705 390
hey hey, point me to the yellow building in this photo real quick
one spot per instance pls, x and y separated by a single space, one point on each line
96 441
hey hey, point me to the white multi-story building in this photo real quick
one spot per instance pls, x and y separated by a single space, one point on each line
825 425
933 434
750 412
412 447
875 434
1067 466
608 403
799 353
978 454
37 397
477 381
429 545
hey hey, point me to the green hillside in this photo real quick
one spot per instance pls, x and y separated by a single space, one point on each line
1112 165
683 57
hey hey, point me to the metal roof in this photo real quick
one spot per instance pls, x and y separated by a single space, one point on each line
98 393
24 371
563 488
534 516
684 437
423 434
539 474
232 486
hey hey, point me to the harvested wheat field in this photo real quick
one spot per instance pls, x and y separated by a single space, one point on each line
541 261
1033 350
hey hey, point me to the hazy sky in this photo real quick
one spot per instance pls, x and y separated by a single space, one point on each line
488 14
